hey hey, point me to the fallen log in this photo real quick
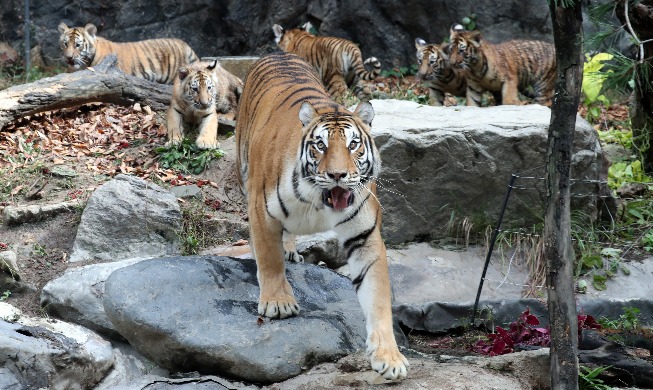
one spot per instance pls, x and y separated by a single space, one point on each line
104 82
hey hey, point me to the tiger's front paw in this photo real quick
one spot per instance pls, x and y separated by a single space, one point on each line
386 359
175 141
207 143
293 256
281 307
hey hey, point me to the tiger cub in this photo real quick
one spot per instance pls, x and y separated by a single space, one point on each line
306 165
338 61
508 67
436 72
202 93
156 60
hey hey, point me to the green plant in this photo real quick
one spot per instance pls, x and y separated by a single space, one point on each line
469 22
616 136
588 378
5 295
627 321
39 250
624 172
592 84
400 72
187 157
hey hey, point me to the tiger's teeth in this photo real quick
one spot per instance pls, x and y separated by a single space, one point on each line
330 200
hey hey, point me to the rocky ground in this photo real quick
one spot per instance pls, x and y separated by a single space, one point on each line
65 155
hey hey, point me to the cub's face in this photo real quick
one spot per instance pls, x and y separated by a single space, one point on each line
431 60
198 85
78 45
465 47
338 155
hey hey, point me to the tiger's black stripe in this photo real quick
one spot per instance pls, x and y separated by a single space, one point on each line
352 215
358 280
358 241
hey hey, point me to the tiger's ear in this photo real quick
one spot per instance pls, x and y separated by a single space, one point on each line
454 30
307 113
419 43
91 29
62 28
212 65
365 111
183 72
278 32
477 38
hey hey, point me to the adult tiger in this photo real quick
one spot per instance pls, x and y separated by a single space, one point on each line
338 61
202 93
437 73
306 165
506 68
154 59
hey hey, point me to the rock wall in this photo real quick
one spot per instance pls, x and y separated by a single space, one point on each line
383 28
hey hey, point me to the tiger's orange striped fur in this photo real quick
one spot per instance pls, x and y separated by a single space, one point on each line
156 60
508 67
308 164
436 72
338 61
202 93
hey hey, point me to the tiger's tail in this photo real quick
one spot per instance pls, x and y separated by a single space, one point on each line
366 75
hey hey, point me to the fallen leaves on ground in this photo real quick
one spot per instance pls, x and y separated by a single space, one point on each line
101 138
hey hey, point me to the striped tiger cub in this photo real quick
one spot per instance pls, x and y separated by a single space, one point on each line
202 93
307 164
507 68
156 60
436 72
338 61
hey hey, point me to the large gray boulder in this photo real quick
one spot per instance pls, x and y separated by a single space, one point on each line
199 313
127 218
447 164
50 354
76 296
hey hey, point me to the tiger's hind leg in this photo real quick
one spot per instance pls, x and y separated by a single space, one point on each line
337 87
290 249
208 132
276 298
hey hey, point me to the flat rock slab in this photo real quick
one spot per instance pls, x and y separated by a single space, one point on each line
199 313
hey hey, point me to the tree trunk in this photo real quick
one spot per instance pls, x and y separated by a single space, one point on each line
640 17
104 83
567 34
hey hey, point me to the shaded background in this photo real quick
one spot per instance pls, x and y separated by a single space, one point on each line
383 28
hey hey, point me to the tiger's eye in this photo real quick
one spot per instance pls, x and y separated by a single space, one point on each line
353 145
320 146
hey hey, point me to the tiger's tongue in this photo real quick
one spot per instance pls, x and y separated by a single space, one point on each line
340 197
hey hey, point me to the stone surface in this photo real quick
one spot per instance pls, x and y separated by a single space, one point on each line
76 296
41 353
199 313
517 371
188 191
444 164
15 215
321 247
125 218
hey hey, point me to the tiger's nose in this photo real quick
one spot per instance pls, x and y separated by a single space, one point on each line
336 175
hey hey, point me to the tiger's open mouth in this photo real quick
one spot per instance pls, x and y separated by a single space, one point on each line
337 198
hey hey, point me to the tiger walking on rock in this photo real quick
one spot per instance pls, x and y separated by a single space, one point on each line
306 165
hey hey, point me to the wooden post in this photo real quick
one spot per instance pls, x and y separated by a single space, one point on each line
567 33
